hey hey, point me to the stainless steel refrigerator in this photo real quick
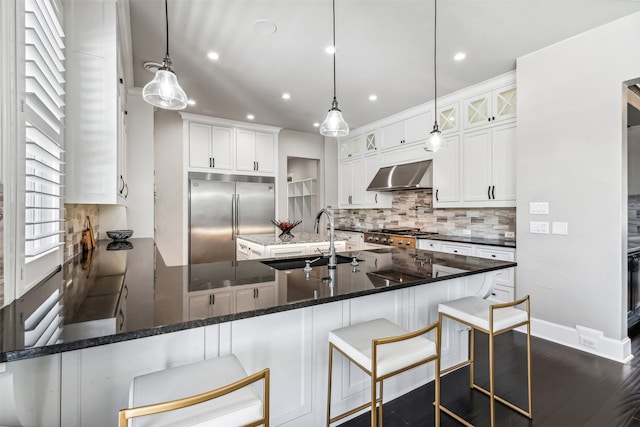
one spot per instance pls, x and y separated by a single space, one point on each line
222 207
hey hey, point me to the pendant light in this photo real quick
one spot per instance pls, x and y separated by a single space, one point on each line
334 125
435 142
164 91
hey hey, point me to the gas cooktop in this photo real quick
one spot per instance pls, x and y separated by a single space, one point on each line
404 231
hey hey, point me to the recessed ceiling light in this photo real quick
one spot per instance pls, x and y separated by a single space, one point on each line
460 56
286 96
330 50
191 102
250 116
373 97
316 124
264 27
213 56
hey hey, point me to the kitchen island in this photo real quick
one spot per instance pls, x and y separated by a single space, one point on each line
257 246
85 381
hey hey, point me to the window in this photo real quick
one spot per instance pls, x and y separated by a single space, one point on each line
43 112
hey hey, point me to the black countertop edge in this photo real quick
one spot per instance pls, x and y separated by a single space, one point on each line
507 243
28 353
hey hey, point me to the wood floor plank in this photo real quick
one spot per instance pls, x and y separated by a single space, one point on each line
570 388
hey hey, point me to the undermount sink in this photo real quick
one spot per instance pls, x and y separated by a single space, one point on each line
293 263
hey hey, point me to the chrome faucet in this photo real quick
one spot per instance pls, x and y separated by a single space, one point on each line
332 232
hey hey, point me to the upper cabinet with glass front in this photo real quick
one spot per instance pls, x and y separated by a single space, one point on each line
490 107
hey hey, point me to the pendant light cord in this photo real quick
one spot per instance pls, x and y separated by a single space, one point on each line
435 46
166 18
334 50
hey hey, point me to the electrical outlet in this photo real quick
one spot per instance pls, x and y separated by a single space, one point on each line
588 341
509 234
466 232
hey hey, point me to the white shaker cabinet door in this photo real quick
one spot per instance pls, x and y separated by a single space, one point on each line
503 162
199 145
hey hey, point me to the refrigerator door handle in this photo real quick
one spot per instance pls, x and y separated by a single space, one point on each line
233 226
237 214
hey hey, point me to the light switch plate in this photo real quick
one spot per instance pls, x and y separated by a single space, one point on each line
539 208
558 227
539 227
466 232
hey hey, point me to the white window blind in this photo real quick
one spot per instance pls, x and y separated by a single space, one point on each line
44 115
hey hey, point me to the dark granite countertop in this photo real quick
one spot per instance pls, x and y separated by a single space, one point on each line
507 243
151 298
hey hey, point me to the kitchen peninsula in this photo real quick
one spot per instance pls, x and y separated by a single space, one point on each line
287 333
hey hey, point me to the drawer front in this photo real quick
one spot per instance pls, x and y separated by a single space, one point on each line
429 245
495 254
502 293
456 249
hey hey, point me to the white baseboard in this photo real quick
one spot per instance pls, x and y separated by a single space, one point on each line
582 338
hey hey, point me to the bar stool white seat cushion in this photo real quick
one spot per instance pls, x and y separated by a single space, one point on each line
355 341
234 409
475 311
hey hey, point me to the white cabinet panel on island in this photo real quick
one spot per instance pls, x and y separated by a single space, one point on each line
270 247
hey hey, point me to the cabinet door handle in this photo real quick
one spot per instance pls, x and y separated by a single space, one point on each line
126 186
210 162
489 192
376 198
121 181
437 194
493 192
213 162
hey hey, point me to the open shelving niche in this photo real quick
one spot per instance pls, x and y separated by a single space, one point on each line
302 197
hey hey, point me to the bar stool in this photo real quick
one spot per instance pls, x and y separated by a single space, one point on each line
184 396
493 319
383 349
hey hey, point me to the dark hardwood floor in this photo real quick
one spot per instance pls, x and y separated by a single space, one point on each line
571 388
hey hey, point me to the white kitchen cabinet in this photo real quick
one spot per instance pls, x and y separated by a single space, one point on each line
446 172
210 147
488 162
374 199
354 241
281 251
407 131
490 107
456 248
217 303
428 245
351 183
255 151
370 142
449 118
505 281
351 147
95 126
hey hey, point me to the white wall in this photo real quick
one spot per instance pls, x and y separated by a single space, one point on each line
140 165
169 186
572 153
297 144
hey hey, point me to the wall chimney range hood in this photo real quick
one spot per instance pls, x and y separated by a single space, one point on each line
409 176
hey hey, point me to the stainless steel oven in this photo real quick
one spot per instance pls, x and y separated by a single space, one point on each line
398 237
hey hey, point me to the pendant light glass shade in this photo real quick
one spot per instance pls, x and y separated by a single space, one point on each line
334 124
164 91
436 141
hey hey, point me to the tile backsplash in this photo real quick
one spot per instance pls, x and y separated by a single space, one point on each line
75 221
414 209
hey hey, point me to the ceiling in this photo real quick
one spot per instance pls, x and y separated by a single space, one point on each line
384 47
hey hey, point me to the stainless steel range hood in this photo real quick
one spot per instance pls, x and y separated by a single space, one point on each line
410 176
